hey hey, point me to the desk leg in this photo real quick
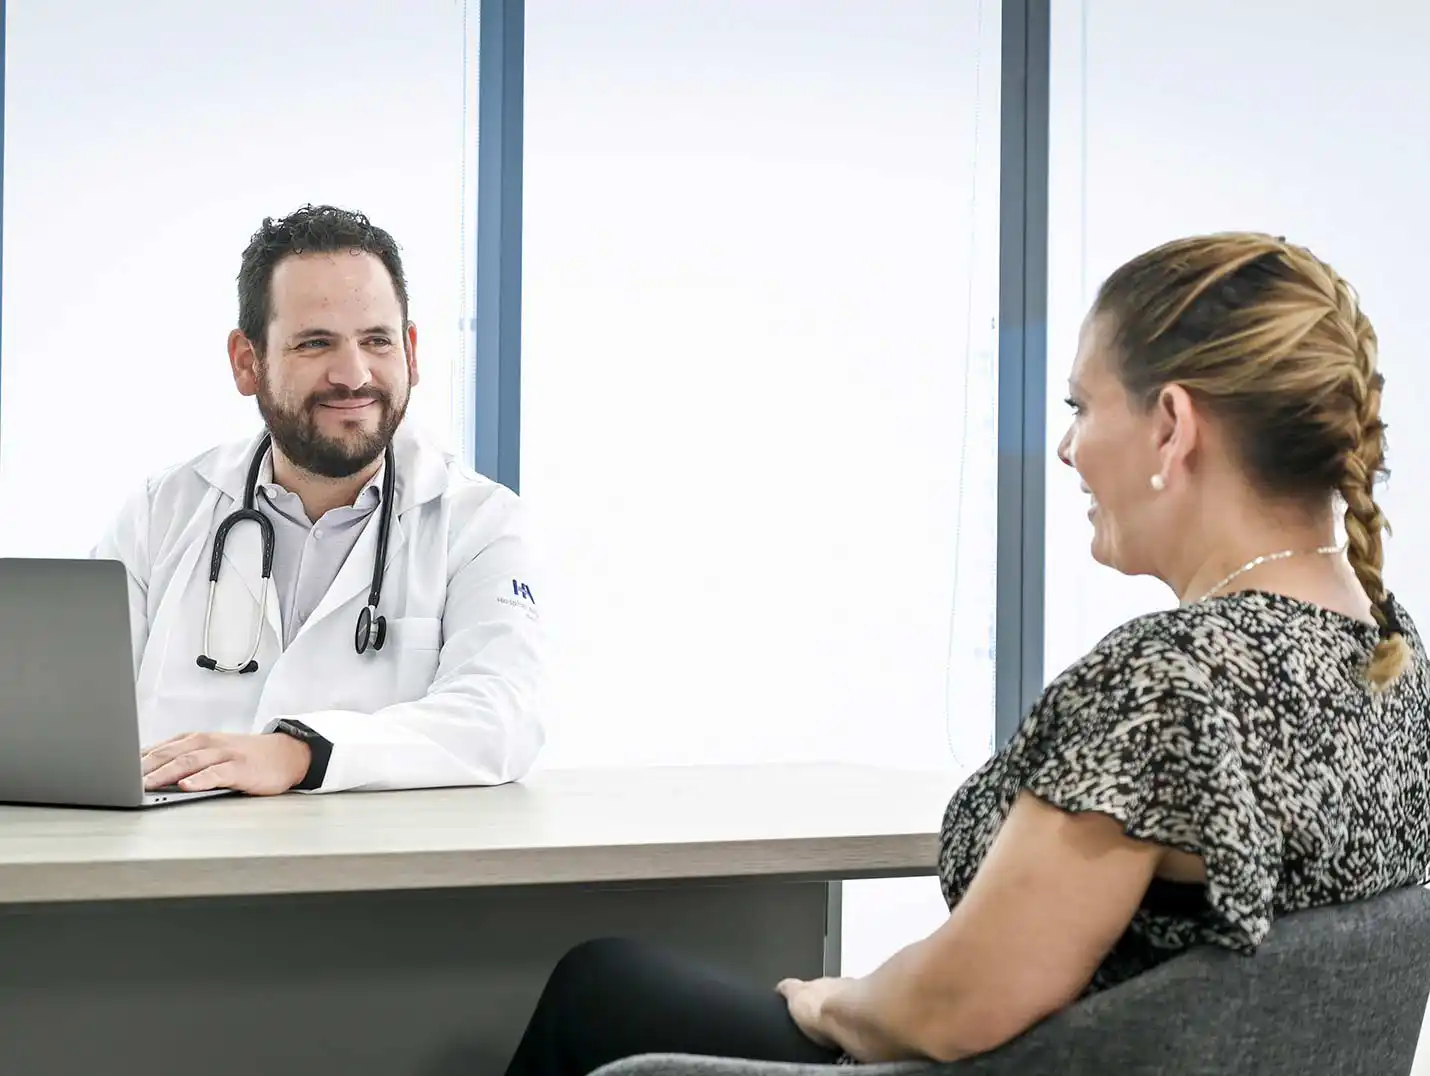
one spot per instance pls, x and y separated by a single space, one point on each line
386 984
833 928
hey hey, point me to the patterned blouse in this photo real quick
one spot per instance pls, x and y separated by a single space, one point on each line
1240 730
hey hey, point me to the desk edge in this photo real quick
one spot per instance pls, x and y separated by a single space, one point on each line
834 858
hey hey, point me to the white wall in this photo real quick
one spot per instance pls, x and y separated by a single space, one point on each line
757 382
144 143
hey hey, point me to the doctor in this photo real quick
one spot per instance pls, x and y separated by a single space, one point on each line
257 684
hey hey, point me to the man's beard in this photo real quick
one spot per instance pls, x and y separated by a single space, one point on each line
296 433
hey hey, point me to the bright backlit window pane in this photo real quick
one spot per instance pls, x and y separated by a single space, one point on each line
758 349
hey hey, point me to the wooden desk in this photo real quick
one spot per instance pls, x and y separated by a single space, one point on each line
410 933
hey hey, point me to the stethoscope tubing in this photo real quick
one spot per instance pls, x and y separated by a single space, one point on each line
371 631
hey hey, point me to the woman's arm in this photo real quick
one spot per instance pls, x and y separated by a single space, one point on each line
1051 899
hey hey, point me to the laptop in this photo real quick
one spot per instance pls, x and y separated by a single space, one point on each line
69 716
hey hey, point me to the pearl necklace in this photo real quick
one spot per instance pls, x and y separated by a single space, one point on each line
1258 562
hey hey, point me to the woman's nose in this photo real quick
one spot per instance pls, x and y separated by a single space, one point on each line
1065 449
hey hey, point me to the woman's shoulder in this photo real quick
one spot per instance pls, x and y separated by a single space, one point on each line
1248 630
1174 650
1250 656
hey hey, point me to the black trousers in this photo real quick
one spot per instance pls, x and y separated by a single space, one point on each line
612 999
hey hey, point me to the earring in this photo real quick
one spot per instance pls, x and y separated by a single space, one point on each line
1159 483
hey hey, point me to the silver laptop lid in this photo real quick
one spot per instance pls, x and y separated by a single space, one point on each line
69 727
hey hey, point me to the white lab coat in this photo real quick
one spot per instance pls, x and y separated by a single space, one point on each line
453 696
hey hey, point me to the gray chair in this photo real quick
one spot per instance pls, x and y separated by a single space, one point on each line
1337 991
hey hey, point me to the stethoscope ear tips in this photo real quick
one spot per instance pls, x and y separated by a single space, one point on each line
371 630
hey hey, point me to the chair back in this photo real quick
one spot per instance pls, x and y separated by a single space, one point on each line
1335 991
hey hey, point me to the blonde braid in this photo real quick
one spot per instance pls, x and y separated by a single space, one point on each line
1364 463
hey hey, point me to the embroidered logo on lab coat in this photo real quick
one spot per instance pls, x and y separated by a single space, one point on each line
521 598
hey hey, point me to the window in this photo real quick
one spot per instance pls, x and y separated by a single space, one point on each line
144 145
1295 127
758 381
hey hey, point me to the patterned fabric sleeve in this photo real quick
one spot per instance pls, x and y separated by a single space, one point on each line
1131 732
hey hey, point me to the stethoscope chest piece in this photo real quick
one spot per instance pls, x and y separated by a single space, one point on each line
371 630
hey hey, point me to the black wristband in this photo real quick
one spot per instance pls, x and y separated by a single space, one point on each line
320 747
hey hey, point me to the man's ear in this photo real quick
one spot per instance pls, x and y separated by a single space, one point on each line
410 340
243 360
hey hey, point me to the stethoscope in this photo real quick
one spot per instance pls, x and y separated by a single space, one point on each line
371 630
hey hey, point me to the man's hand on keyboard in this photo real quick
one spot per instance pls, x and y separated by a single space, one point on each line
261 765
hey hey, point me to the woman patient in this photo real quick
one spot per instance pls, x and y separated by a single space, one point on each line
1260 749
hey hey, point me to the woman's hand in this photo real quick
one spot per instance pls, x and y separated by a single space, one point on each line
806 1001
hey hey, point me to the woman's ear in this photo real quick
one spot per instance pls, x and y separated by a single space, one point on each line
1176 428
